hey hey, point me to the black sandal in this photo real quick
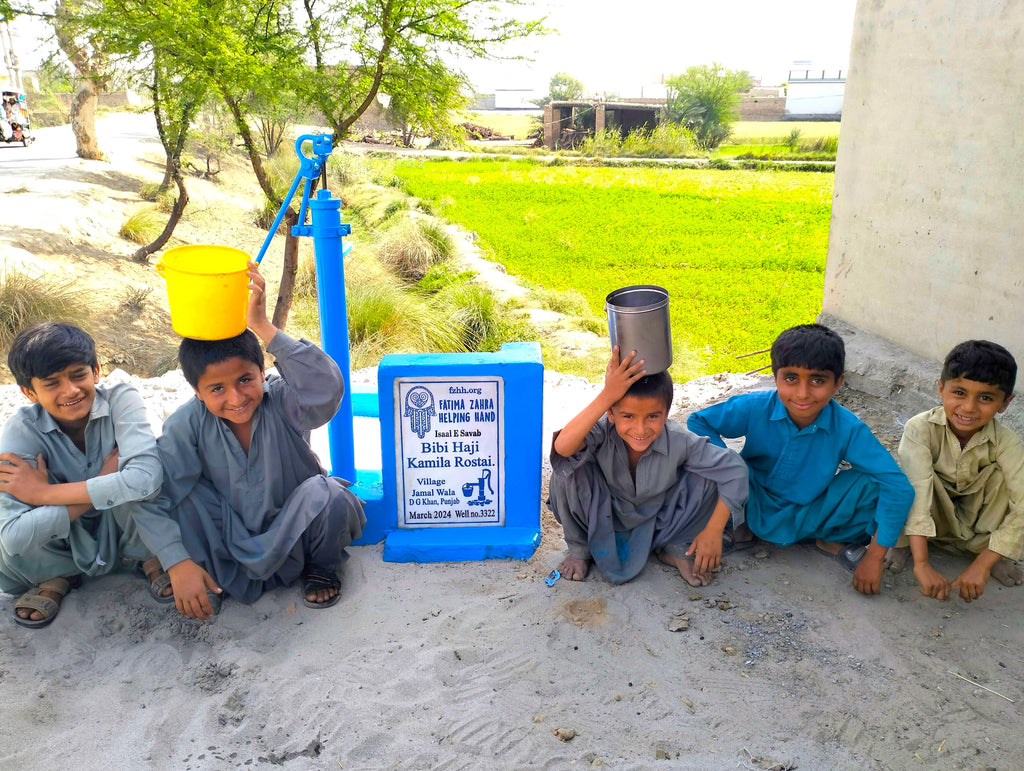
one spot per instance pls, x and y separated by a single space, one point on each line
316 578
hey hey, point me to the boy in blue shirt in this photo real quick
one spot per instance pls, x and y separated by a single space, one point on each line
75 464
796 438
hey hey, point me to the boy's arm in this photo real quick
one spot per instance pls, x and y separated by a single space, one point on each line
314 381
1008 538
618 377
728 419
130 472
895 495
916 459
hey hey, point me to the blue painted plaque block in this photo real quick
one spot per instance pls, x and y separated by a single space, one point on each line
461 455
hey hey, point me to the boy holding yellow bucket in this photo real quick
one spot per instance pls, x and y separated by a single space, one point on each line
245 505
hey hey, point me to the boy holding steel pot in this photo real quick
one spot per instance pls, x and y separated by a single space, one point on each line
626 481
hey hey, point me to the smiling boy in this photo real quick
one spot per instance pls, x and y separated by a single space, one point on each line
246 505
75 464
626 481
796 439
967 470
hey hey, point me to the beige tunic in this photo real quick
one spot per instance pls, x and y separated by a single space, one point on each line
971 497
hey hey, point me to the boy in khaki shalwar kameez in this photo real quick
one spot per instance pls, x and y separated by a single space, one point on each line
967 470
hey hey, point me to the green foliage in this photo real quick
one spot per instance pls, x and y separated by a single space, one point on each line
25 300
441 275
412 247
563 87
569 302
742 253
667 140
143 225
385 45
705 99
428 103
482 321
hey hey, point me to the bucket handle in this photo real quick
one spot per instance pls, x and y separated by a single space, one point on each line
159 268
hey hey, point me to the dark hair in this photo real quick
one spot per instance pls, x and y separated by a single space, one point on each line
43 349
981 361
658 384
196 355
813 346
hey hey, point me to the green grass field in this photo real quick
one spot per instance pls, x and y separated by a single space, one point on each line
742 253
747 131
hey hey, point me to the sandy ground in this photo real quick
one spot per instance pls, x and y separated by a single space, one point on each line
782 665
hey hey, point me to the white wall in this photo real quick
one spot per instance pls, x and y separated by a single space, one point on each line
814 97
926 246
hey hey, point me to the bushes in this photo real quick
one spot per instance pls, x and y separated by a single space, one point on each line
25 300
411 248
143 225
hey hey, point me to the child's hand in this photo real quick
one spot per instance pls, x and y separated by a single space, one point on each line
933 583
20 480
620 375
110 463
706 550
190 582
867 578
971 583
256 312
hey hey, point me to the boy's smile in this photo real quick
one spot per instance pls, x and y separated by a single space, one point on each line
805 392
970 405
638 420
231 389
67 394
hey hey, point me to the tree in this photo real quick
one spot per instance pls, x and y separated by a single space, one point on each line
565 88
363 47
562 87
705 100
427 103
84 49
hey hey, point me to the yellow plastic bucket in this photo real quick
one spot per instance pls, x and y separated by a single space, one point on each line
207 290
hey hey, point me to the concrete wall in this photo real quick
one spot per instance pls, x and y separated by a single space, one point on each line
763 108
925 247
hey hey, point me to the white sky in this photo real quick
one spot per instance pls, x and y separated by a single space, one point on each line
619 45
622 45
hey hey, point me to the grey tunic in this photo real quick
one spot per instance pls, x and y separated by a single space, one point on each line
606 516
41 542
254 521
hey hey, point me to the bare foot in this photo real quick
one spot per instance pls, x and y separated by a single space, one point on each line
829 547
320 596
685 568
1007 572
574 569
896 558
35 615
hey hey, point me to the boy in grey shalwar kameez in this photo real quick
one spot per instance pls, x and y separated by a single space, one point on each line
75 463
627 481
246 505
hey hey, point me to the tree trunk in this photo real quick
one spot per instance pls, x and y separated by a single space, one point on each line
83 122
179 208
286 291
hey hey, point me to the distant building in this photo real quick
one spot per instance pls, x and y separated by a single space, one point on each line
814 93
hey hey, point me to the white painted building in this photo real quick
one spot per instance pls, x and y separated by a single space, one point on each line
814 93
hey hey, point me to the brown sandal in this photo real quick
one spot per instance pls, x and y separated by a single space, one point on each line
34 599
158 580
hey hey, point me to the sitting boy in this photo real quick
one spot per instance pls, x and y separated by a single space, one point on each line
627 481
796 437
245 505
967 470
75 464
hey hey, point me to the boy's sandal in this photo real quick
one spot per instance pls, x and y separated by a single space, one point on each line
849 556
316 578
34 599
158 580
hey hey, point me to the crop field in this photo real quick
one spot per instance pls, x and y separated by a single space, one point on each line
755 131
742 253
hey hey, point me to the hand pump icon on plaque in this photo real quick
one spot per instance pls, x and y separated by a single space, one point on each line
469 487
